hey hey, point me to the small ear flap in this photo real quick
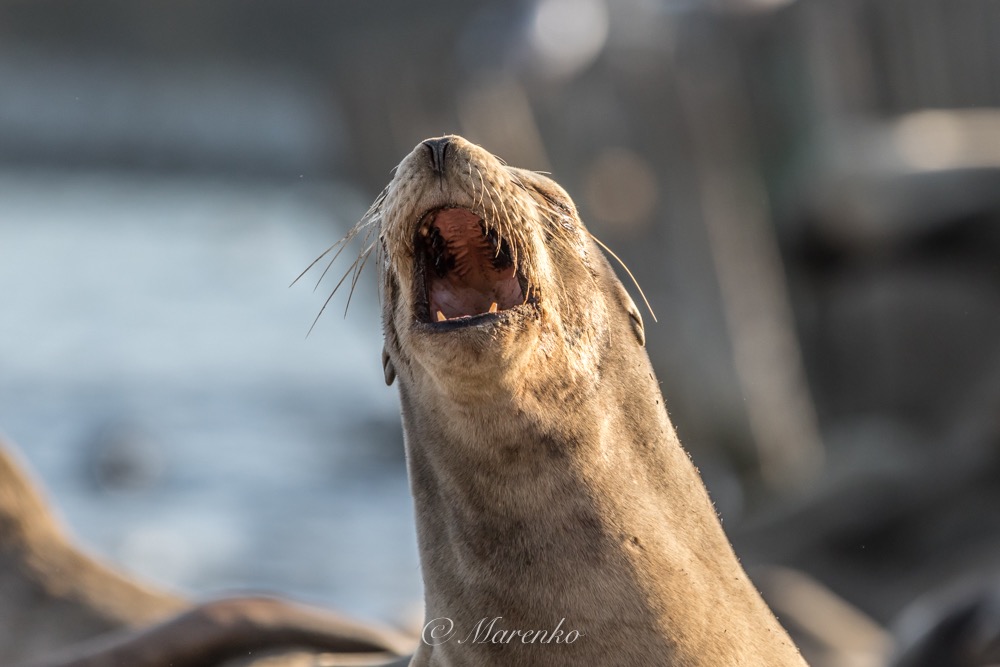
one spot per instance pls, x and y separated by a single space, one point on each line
388 368
637 327
633 315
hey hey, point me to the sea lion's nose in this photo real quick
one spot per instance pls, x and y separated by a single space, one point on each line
438 150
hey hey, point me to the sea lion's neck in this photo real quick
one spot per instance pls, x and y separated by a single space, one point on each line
535 510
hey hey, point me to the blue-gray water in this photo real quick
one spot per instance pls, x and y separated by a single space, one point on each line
155 371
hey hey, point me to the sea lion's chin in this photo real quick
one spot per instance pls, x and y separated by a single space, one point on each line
465 275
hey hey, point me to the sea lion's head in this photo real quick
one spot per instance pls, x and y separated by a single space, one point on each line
488 274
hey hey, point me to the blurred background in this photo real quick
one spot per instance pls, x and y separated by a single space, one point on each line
808 192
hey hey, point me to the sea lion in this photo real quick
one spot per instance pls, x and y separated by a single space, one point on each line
559 520
52 593
61 607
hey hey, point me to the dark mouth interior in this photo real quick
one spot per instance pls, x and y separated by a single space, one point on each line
467 269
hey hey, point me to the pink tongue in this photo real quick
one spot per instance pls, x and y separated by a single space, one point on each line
473 286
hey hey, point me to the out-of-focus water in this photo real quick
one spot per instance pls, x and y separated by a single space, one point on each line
155 371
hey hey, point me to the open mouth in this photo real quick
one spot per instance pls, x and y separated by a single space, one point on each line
466 269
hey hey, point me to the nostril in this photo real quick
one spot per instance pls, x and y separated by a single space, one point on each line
438 149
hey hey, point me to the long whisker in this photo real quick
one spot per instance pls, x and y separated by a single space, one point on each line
482 189
502 221
472 184
365 221
513 241
624 266
343 243
364 256
369 224
320 313
314 262
336 287
357 275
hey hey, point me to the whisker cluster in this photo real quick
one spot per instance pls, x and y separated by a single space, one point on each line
369 224
497 212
